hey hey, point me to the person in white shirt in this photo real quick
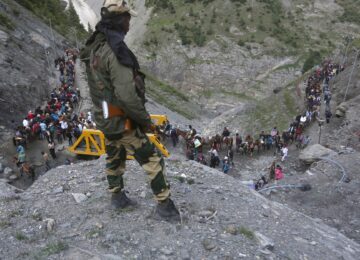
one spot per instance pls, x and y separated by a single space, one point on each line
25 123
284 151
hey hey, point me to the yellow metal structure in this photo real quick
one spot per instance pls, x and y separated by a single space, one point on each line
159 120
92 142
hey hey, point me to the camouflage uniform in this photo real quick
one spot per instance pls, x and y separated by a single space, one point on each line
113 82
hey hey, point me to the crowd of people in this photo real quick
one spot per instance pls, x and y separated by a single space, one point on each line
317 87
57 121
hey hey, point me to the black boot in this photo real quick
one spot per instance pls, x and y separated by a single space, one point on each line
119 200
166 210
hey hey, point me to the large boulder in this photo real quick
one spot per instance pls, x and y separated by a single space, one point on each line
314 153
7 192
341 110
8 172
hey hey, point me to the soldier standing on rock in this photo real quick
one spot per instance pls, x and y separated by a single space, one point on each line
117 90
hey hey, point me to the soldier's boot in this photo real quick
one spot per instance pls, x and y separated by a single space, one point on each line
119 200
167 210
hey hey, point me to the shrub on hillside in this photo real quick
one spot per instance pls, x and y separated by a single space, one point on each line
5 21
313 59
64 21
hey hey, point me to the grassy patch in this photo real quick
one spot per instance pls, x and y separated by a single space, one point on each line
168 96
20 236
63 21
197 22
351 11
180 178
166 87
159 97
15 213
288 66
276 110
207 93
241 96
356 43
289 102
5 21
190 181
247 233
4 224
95 232
51 249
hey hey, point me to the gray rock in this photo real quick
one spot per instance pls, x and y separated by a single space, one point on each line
79 197
13 177
314 152
143 194
265 242
50 224
232 229
1 168
58 190
7 172
66 187
3 36
205 213
166 251
209 244
7 192
112 257
184 254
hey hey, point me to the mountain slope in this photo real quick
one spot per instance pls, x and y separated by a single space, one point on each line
27 52
220 219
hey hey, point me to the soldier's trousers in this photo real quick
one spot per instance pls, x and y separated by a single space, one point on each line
137 144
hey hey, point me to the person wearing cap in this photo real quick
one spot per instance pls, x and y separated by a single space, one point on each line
226 165
117 90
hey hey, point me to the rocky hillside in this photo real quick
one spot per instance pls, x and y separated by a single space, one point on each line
27 51
225 55
65 215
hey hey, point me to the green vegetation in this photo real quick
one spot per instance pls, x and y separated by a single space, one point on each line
66 22
51 249
180 178
206 93
314 58
288 66
240 96
168 96
96 232
289 102
356 43
247 233
4 224
351 11
198 21
20 236
276 110
15 213
5 21
167 88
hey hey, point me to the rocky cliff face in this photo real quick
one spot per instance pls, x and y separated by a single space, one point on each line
27 51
